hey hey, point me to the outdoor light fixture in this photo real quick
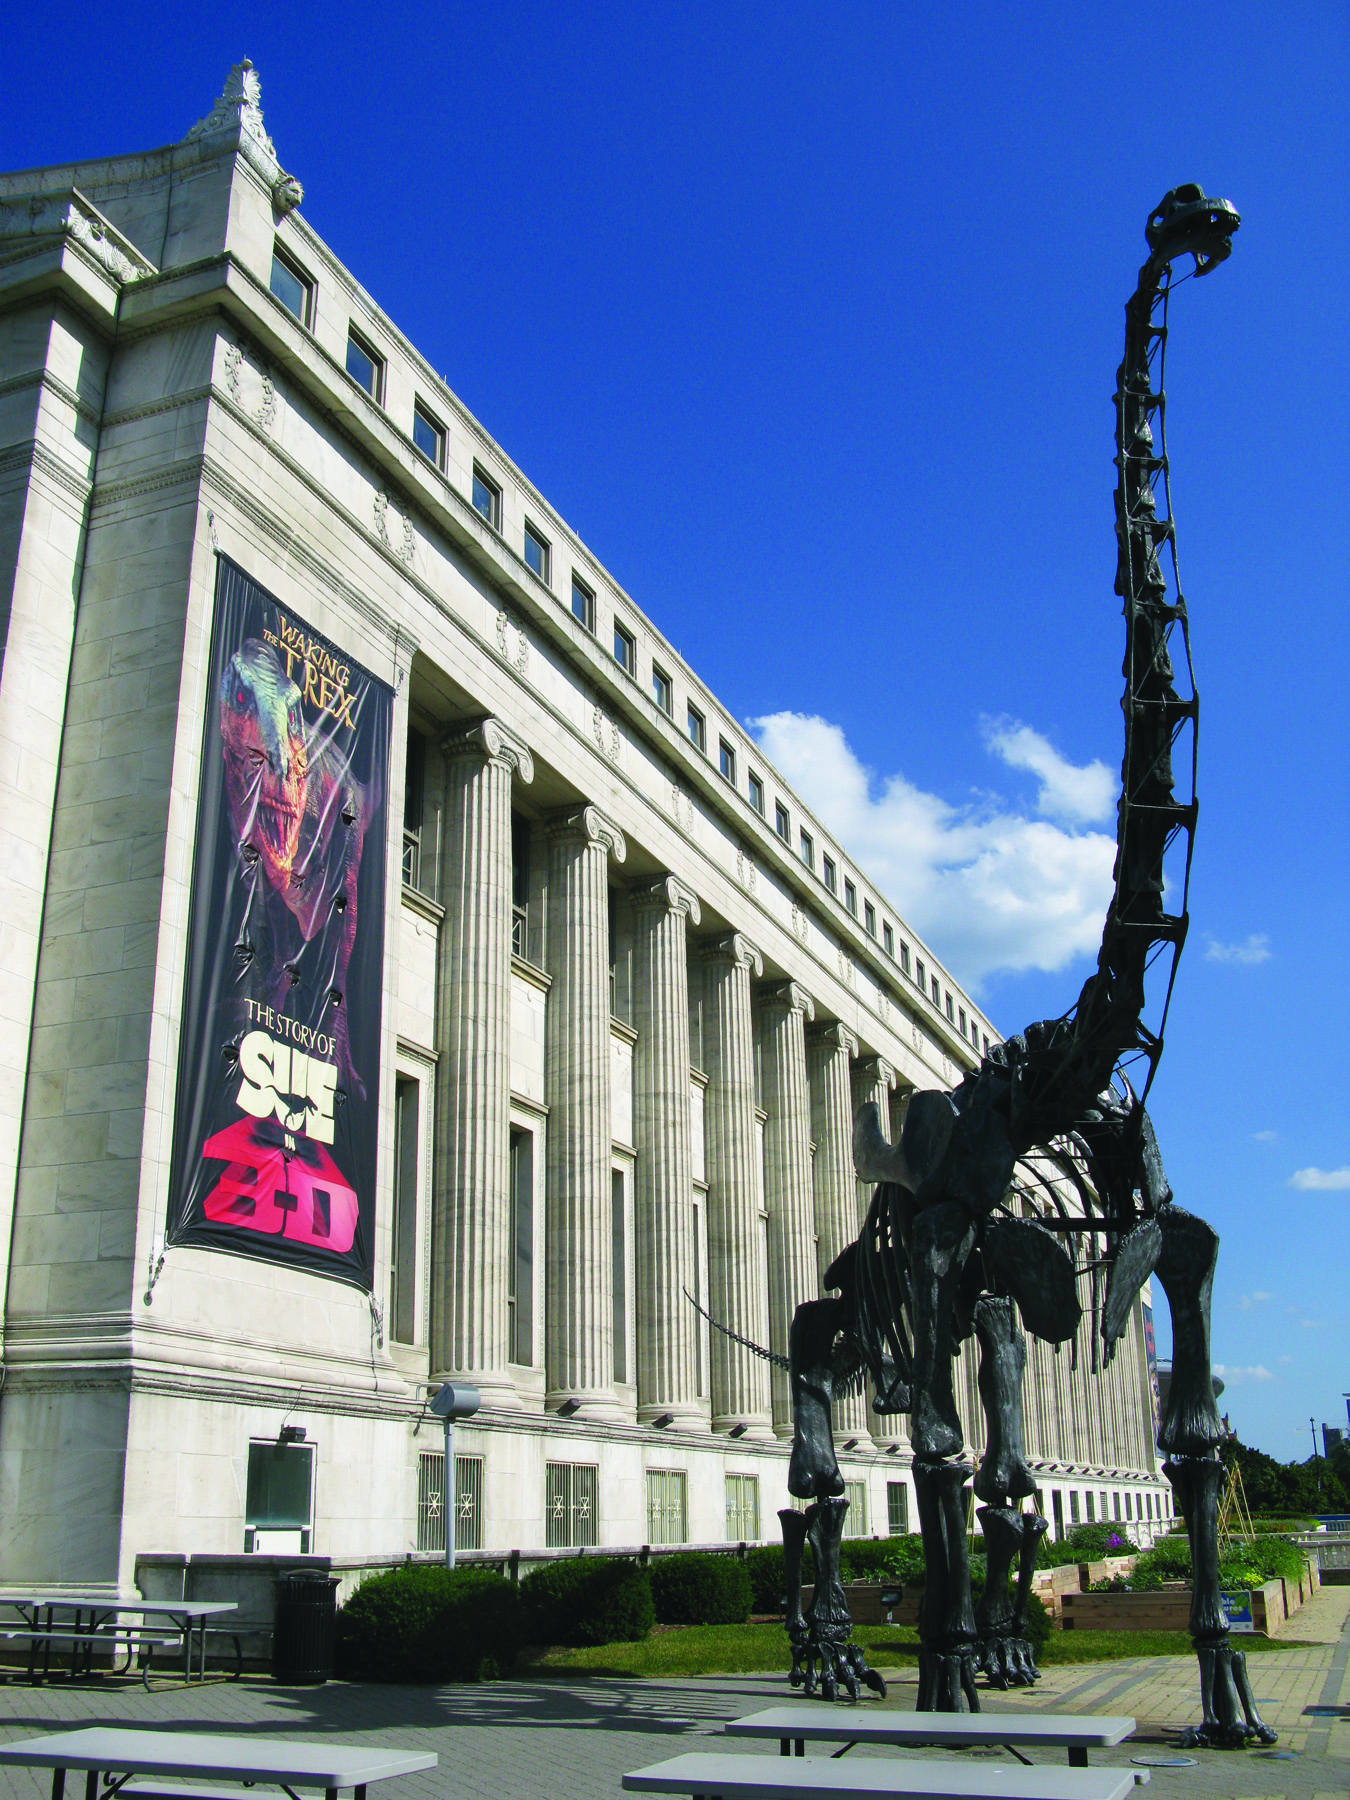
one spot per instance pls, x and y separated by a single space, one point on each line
452 1400
569 1406
851 1444
663 1420
291 1434
738 1430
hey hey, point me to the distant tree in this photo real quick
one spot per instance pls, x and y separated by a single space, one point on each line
1318 1485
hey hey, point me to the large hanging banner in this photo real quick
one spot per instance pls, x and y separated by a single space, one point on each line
278 1080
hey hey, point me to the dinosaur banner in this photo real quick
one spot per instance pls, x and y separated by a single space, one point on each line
275 1126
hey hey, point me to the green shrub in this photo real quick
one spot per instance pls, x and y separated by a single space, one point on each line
427 1624
588 1600
701 1589
765 1569
904 1561
1247 1562
865 1559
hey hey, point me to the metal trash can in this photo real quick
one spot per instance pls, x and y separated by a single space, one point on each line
302 1637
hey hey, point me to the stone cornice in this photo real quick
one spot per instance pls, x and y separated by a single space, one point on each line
495 743
590 824
68 214
422 904
735 948
669 894
792 996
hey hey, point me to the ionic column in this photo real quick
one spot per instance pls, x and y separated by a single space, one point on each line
578 1266
874 1079
664 1186
737 1276
829 1050
787 1174
471 1214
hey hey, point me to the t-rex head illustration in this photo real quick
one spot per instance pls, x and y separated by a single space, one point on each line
262 731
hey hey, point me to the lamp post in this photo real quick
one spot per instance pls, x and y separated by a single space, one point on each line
452 1400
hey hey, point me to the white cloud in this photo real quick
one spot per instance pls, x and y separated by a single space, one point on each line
1075 796
1286 1359
1329 1181
1249 1301
1264 1137
1232 1376
990 887
1256 949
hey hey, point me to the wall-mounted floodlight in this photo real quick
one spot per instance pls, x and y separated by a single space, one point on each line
452 1400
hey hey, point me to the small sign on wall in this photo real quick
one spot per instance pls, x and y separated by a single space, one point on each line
1237 1610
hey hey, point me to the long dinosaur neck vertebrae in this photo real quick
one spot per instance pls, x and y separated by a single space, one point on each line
1076 1056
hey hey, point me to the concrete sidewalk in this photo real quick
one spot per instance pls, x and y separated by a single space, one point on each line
573 1739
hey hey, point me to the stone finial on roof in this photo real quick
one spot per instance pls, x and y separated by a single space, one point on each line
238 112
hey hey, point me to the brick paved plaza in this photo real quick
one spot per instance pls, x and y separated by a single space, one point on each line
556 1739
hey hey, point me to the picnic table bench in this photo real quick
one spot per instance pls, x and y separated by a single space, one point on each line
115 1762
793 1725
93 1621
742 1777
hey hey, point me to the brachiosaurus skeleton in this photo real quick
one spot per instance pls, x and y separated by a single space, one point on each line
947 1248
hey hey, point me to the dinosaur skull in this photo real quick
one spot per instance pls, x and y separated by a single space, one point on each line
262 732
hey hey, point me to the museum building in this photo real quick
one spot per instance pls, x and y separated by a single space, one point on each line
410 970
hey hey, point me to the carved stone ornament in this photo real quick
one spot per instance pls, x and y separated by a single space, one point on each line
606 732
793 997
407 542
492 740
883 1007
798 923
287 194
669 894
682 807
237 367
847 972
837 1036
736 948
745 871
589 823
70 215
512 642
237 116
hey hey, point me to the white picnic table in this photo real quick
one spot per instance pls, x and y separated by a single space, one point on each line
1075 1732
120 1759
742 1777
43 1622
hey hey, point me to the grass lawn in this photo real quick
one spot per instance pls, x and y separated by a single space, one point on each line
762 1649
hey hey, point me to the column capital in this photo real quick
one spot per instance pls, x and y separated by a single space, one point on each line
494 742
669 894
835 1035
588 824
875 1071
735 948
791 996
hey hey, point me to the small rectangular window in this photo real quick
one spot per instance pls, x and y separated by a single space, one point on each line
663 691
571 1505
937 992
279 1497
1091 1507
428 437
364 366
986 1043
904 957
403 1249
698 730
887 939
850 897
897 1509
667 1506
726 761
537 552
742 1509
1073 1506
830 874
625 650
869 918
487 498
583 604
1057 1507
294 289
855 1519
961 1015
920 975
781 823
757 793
808 848
950 1013
520 1266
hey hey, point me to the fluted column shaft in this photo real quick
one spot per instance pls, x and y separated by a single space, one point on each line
874 1079
829 1050
471 1214
579 1258
787 1174
737 1276
667 1370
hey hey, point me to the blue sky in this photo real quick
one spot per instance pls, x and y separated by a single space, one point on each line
807 319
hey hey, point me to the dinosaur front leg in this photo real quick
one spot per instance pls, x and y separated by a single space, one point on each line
1003 1649
941 1237
1191 1435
